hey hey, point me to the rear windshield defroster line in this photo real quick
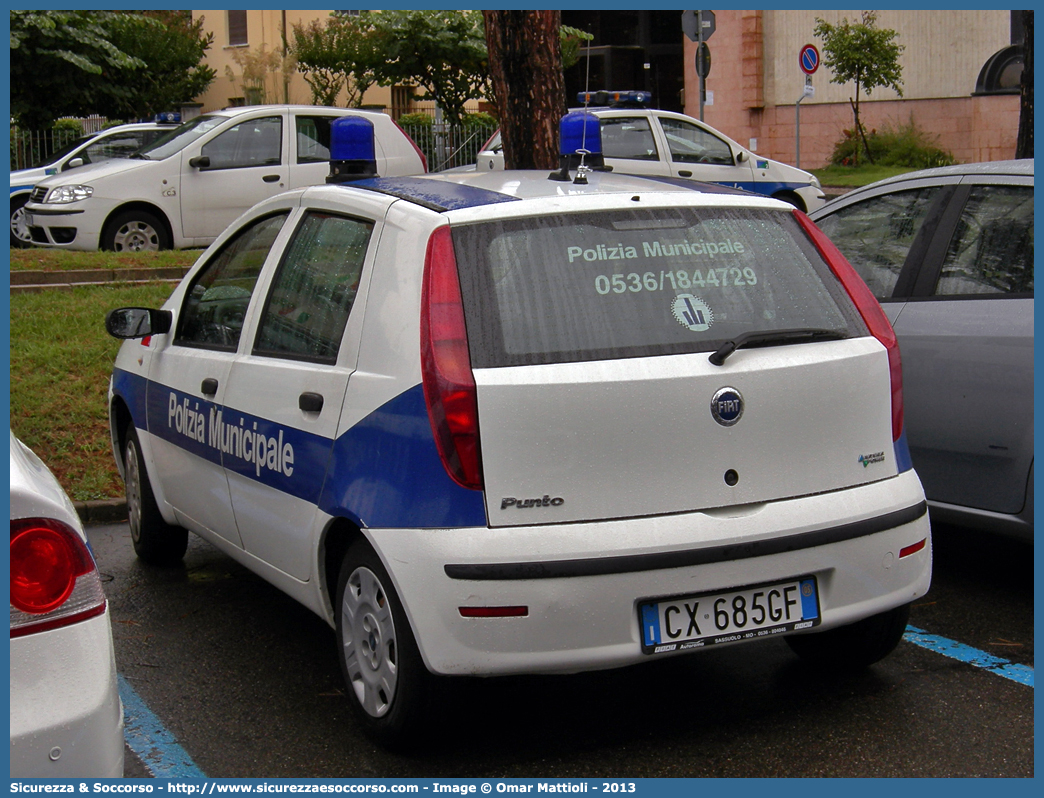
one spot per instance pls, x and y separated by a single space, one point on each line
602 566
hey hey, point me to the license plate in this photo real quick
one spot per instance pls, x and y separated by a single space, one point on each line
728 616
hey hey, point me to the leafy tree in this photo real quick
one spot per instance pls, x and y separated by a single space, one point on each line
172 47
340 54
863 53
442 52
62 64
525 59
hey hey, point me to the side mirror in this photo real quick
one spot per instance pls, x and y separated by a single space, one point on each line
200 162
742 156
73 163
138 322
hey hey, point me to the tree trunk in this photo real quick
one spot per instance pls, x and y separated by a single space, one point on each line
1024 144
525 63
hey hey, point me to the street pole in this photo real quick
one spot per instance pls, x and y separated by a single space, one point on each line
699 49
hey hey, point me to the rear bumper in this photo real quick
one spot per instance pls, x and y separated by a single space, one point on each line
66 715
582 583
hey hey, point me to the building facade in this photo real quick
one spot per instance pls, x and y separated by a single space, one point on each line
948 89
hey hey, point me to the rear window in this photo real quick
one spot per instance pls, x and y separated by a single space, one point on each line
621 284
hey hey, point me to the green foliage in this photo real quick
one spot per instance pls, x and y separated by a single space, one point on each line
902 146
117 64
62 64
254 68
172 47
416 119
480 119
573 41
339 54
441 52
74 127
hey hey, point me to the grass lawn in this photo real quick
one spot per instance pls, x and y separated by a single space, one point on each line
61 359
55 260
856 176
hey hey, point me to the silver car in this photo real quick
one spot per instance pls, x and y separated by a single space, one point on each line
949 253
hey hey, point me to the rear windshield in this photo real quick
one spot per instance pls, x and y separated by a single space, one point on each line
621 284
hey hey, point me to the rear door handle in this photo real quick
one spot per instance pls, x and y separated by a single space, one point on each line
684 173
310 402
270 178
209 386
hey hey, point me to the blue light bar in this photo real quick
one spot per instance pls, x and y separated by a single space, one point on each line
629 99
352 149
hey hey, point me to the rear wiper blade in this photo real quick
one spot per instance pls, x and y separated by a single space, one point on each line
769 337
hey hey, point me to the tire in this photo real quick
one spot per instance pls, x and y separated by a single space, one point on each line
19 231
855 646
389 687
155 541
135 231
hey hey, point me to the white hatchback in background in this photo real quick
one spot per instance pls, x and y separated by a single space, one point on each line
66 715
114 142
511 422
654 143
184 189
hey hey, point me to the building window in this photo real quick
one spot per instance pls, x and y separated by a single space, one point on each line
237 28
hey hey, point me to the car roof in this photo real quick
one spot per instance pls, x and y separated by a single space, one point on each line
1020 167
239 110
445 191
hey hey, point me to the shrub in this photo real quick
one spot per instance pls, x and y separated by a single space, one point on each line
416 119
904 145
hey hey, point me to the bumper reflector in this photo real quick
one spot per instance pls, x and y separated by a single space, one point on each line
494 612
912 549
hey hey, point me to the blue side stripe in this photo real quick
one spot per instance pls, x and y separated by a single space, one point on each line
385 472
1023 674
153 743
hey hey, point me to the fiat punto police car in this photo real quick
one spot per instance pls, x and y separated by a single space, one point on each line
512 422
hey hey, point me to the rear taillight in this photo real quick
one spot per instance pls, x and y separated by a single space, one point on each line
54 580
421 155
869 308
449 385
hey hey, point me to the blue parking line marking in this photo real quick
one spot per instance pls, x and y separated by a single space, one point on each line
1023 674
152 741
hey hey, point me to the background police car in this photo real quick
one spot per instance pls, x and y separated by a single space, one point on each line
651 142
183 190
311 402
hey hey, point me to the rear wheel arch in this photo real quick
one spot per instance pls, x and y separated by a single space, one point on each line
339 535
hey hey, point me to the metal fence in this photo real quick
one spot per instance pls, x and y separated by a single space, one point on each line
445 146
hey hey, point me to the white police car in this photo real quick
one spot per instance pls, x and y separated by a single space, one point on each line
184 189
640 141
507 422
115 142
66 715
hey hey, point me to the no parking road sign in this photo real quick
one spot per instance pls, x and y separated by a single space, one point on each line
808 59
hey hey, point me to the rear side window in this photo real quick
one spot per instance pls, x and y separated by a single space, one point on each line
636 284
991 251
314 290
313 138
876 235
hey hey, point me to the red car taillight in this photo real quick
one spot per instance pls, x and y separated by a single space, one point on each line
869 308
54 579
449 385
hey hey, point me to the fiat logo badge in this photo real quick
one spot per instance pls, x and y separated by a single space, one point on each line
727 406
